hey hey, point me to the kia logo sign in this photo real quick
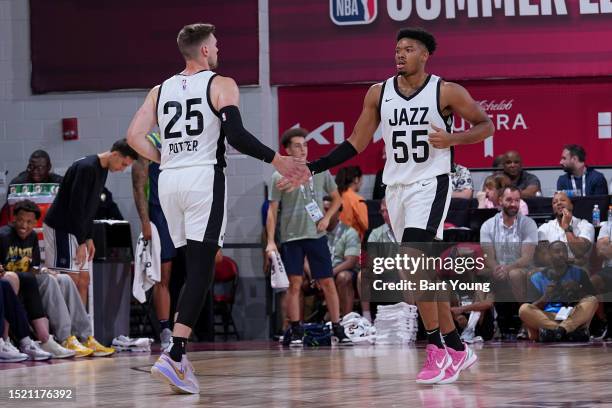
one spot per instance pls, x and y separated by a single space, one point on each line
352 12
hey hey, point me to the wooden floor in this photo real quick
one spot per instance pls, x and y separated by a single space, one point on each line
264 375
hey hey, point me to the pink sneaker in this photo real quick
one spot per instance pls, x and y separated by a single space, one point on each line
436 363
460 360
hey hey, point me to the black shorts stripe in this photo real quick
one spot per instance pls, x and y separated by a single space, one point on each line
215 219
62 249
437 208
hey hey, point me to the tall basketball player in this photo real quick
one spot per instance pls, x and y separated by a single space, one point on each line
196 110
415 109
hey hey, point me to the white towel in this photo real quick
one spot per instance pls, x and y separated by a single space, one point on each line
147 264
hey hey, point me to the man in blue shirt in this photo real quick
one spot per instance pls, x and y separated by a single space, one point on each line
558 286
578 177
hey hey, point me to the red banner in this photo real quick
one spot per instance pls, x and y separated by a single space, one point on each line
347 41
534 117
99 46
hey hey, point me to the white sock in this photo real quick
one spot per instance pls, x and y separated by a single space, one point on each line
26 341
473 320
367 315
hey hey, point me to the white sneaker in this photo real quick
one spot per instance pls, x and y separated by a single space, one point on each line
33 350
166 338
51 346
9 354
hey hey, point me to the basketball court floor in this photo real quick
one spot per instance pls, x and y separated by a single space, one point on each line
262 374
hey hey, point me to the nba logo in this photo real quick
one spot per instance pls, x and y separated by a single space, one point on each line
352 12
184 84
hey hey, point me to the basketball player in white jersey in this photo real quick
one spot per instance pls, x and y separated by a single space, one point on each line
415 109
196 110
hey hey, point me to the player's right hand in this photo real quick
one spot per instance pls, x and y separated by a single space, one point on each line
146 231
271 248
294 171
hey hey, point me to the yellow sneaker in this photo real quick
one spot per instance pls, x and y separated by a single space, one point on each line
71 343
98 349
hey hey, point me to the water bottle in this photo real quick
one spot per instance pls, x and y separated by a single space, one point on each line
596 215
610 215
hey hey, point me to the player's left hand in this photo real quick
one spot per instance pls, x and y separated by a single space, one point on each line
91 249
293 170
440 139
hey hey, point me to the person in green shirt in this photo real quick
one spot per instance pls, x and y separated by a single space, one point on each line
303 228
345 249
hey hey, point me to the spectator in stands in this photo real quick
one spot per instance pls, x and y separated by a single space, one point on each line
557 286
498 162
303 227
473 313
14 316
345 248
463 187
528 183
602 281
577 233
68 225
355 210
493 187
38 170
57 294
577 176
509 240
380 235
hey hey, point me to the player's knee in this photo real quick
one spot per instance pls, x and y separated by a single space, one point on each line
344 278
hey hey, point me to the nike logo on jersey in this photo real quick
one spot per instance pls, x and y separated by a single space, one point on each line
400 117
426 184
387 100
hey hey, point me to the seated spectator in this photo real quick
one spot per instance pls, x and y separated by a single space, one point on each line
355 213
463 187
38 170
49 292
527 183
345 248
577 233
558 286
509 240
498 162
380 235
602 281
577 176
493 186
473 314
13 316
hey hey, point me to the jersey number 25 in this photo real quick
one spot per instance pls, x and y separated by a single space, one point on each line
191 113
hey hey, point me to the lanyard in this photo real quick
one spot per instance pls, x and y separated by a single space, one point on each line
390 234
312 192
583 192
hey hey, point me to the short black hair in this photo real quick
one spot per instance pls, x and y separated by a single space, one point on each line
290 134
28 206
40 154
419 34
124 149
329 199
346 175
577 151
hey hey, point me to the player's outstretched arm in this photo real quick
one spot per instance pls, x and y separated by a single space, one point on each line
144 120
363 132
226 97
456 99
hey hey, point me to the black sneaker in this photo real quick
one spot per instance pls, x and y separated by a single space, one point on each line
340 336
580 335
550 335
297 336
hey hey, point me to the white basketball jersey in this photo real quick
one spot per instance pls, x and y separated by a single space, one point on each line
406 122
190 128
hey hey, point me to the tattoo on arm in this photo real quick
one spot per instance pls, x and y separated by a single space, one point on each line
140 174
